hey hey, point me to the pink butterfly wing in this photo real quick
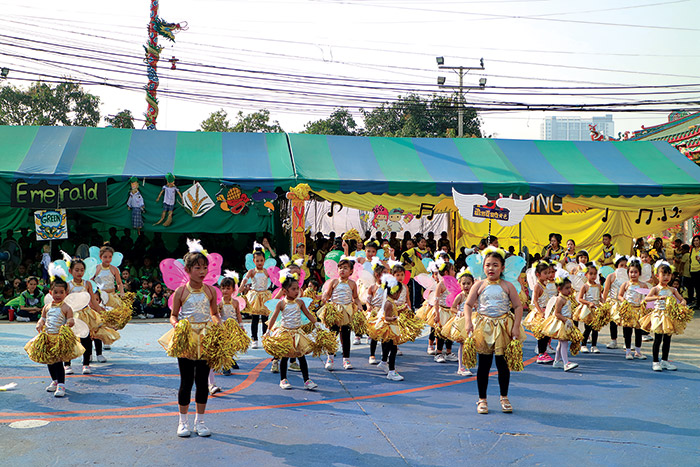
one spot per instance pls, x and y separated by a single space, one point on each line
425 280
215 263
302 276
241 303
453 289
406 277
174 274
356 271
274 273
331 268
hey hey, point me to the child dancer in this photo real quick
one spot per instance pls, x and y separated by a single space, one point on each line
294 267
386 327
540 296
229 309
612 286
99 333
493 325
403 303
290 309
341 294
54 316
258 294
658 321
631 308
196 303
589 299
559 322
375 297
466 280
442 314
105 277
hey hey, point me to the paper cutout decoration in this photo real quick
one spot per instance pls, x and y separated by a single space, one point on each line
234 201
477 208
196 200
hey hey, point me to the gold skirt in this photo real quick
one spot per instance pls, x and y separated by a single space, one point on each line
333 314
658 322
197 332
554 328
628 315
445 314
492 335
50 356
584 314
423 312
455 329
383 331
256 302
301 342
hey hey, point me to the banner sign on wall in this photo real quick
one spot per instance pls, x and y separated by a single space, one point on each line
43 195
51 224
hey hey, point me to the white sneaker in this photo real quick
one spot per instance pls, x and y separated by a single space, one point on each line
60 391
594 349
399 353
357 341
107 347
558 364
284 384
329 363
394 376
383 366
310 385
668 366
451 357
201 429
612 345
294 367
22 319
87 370
68 369
183 431
584 349
254 345
439 358
52 387
639 356
346 364
275 367
149 316
647 338
431 350
656 366
101 359
629 356
373 360
213 389
570 366
464 372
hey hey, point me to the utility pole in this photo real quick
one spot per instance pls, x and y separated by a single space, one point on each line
461 71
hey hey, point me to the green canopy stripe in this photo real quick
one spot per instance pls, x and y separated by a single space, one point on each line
113 146
399 161
568 161
319 170
491 166
198 155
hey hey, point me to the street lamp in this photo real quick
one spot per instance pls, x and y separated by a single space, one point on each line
440 60
441 80
482 82
4 72
461 71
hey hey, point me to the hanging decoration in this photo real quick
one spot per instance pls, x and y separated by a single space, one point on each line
196 200
156 27
136 205
234 200
263 200
298 195
477 208
169 192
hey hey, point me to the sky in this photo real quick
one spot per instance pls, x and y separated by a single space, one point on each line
302 58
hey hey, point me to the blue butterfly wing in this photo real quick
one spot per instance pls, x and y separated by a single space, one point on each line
380 253
94 252
269 263
475 263
514 266
249 263
90 267
117 259
360 254
272 304
367 265
63 265
426 262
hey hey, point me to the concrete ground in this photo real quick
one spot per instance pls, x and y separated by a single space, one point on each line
609 411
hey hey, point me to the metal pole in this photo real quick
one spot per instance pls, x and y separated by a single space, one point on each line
460 111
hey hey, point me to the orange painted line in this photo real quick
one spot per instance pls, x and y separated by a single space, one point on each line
109 376
252 377
246 384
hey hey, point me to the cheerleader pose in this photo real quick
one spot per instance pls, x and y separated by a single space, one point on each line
493 325
290 310
195 302
589 299
386 326
559 322
258 294
631 309
612 286
658 322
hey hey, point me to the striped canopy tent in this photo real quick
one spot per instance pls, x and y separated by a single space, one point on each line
75 153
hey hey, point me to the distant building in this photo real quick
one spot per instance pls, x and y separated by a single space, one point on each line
682 130
575 128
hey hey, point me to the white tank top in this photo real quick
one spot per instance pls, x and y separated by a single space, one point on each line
227 311
72 287
259 282
661 304
632 296
195 309
592 294
342 294
377 298
105 279
55 319
290 316
493 301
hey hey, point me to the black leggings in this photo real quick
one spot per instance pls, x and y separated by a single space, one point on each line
302 364
193 372
57 372
663 341
627 332
254 325
344 332
483 370
389 350
373 347
87 343
588 331
542 345
613 331
446 342
431 337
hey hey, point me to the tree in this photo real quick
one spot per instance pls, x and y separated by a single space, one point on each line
340 122
253 122
41 104
123 119
413 116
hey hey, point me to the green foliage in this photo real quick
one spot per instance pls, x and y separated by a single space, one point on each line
255 122
340 122
123 119
42 104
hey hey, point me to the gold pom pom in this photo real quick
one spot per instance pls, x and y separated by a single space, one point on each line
217 347
41 350
679 314
601 316
240 342
279 346
359 323
332 315
182 344
574 336
324 342
411 327
118 317
65 344
514 355
469 353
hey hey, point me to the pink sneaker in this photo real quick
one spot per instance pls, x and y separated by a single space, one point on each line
544 358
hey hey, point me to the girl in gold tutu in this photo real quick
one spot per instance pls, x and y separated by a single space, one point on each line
632 307
386 326
290 310
658 322
194 307
493 325
53 317
541 293
589 300
403 303
98 331
610 290
230 306
375 298
106 276
456 326
558 322
258 294
442 313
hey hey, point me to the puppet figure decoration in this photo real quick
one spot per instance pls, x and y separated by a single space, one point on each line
136 205
170 191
